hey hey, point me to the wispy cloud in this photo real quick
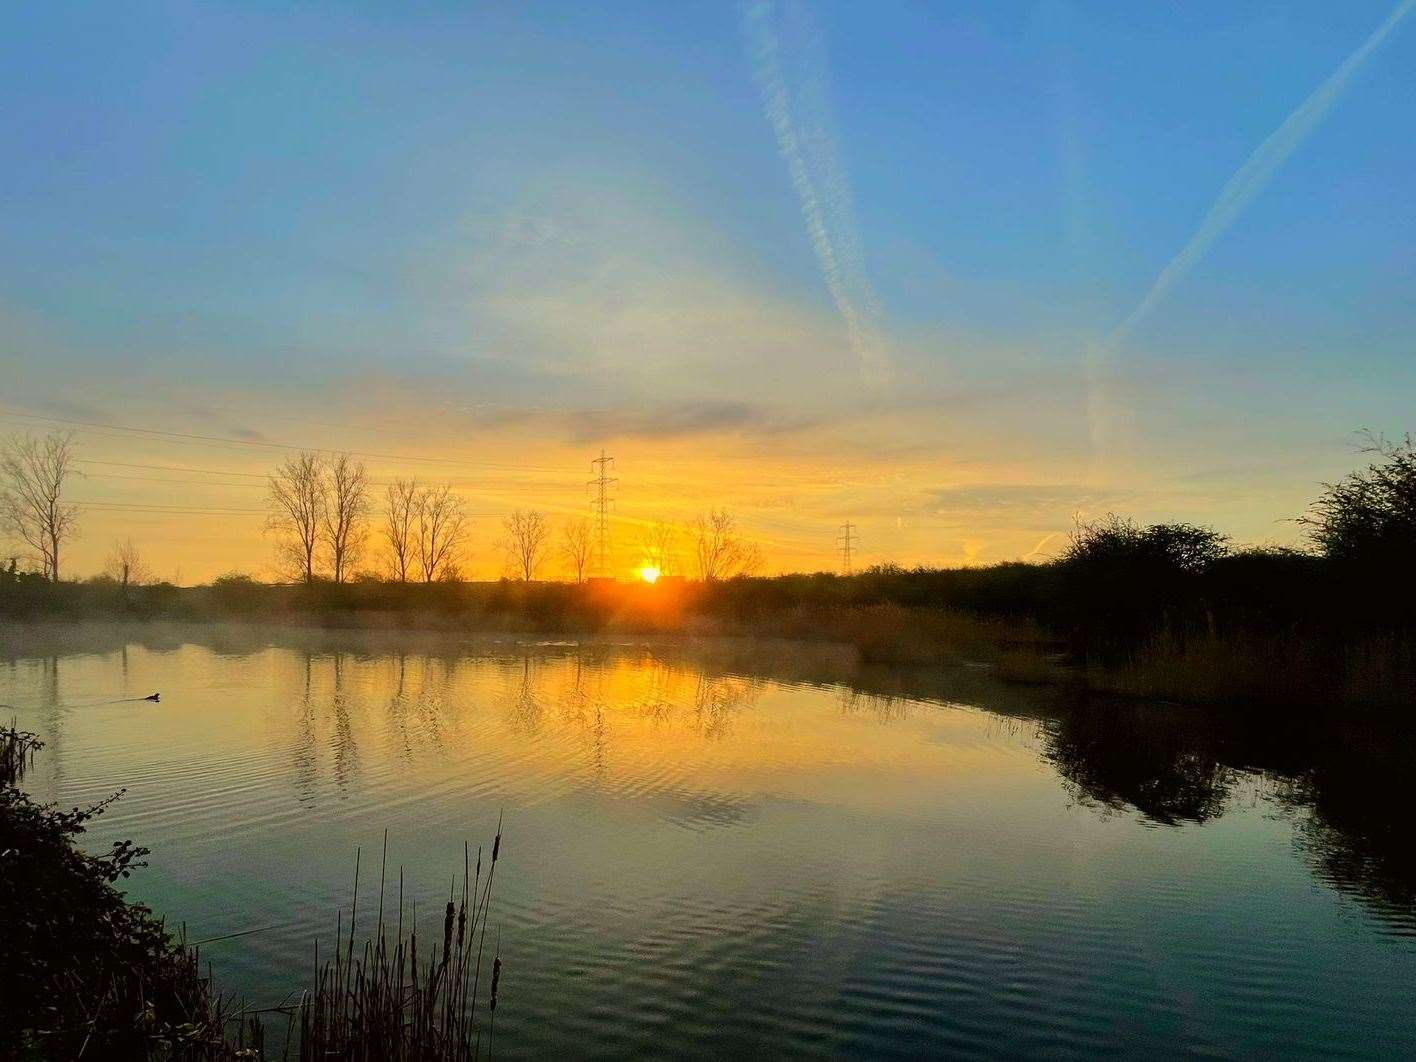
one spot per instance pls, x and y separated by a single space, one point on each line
1022 502
789 62
683 420
1256 172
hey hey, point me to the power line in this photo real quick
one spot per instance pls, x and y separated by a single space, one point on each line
169 510
170 468
267 444
185 482
602 483
848 540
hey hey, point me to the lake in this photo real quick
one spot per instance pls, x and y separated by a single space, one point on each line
753 850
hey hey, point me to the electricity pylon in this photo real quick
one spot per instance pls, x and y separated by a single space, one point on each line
848 540
602 501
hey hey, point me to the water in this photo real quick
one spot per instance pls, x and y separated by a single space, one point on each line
752 850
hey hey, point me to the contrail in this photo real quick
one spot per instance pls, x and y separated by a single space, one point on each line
799 115
1251 177
1039 547
1234 197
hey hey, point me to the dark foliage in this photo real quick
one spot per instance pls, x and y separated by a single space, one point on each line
1369 517
82 971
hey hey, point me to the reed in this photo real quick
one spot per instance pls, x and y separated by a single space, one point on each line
17 749
396 997
88 974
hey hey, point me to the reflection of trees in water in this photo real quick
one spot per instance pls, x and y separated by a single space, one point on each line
1014 729
885 707
398 708
1345 784
1116 754
306 746
349 699
418 703
1358 828
342 743
525 703
719 698
592 690
345 748
582 715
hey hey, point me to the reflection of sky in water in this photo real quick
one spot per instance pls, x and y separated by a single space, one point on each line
708 854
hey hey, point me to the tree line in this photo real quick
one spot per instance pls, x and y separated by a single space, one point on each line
323 519
328 524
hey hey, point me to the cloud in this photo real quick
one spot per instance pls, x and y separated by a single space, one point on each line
1022 501
791 73
682 420
248 435
70 408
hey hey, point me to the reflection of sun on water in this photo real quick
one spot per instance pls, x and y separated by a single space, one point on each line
649 573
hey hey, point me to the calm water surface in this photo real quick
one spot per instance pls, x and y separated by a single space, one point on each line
744 851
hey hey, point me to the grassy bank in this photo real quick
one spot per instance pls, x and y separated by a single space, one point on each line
87 974
1152 612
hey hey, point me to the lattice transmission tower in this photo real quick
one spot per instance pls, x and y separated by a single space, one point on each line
848 540
601 501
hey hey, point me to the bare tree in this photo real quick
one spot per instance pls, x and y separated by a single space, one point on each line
576 543
526 532
720 551
659 543
442 528
127 567
298 503
32 503
346 515
401 527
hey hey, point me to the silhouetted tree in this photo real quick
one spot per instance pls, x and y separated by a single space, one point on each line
401 527
576 545
1118 542
526 533
346 515
720 551
127 567
442 528
659 543
1370 515
1124 582
297 496
32 503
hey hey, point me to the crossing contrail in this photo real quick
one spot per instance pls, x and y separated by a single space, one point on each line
794 99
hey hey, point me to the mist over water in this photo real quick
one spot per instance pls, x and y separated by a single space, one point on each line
750 848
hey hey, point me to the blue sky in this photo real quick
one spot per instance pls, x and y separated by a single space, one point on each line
812 261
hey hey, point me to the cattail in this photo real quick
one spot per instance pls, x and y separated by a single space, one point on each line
496 846
496 980
447 931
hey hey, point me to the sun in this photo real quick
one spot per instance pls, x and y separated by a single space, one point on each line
649 573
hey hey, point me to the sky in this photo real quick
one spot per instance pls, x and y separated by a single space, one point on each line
960 274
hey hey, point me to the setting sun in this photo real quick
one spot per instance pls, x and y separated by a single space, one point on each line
649 573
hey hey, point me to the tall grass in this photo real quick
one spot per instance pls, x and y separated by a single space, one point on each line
84 973
17 749
393 1001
